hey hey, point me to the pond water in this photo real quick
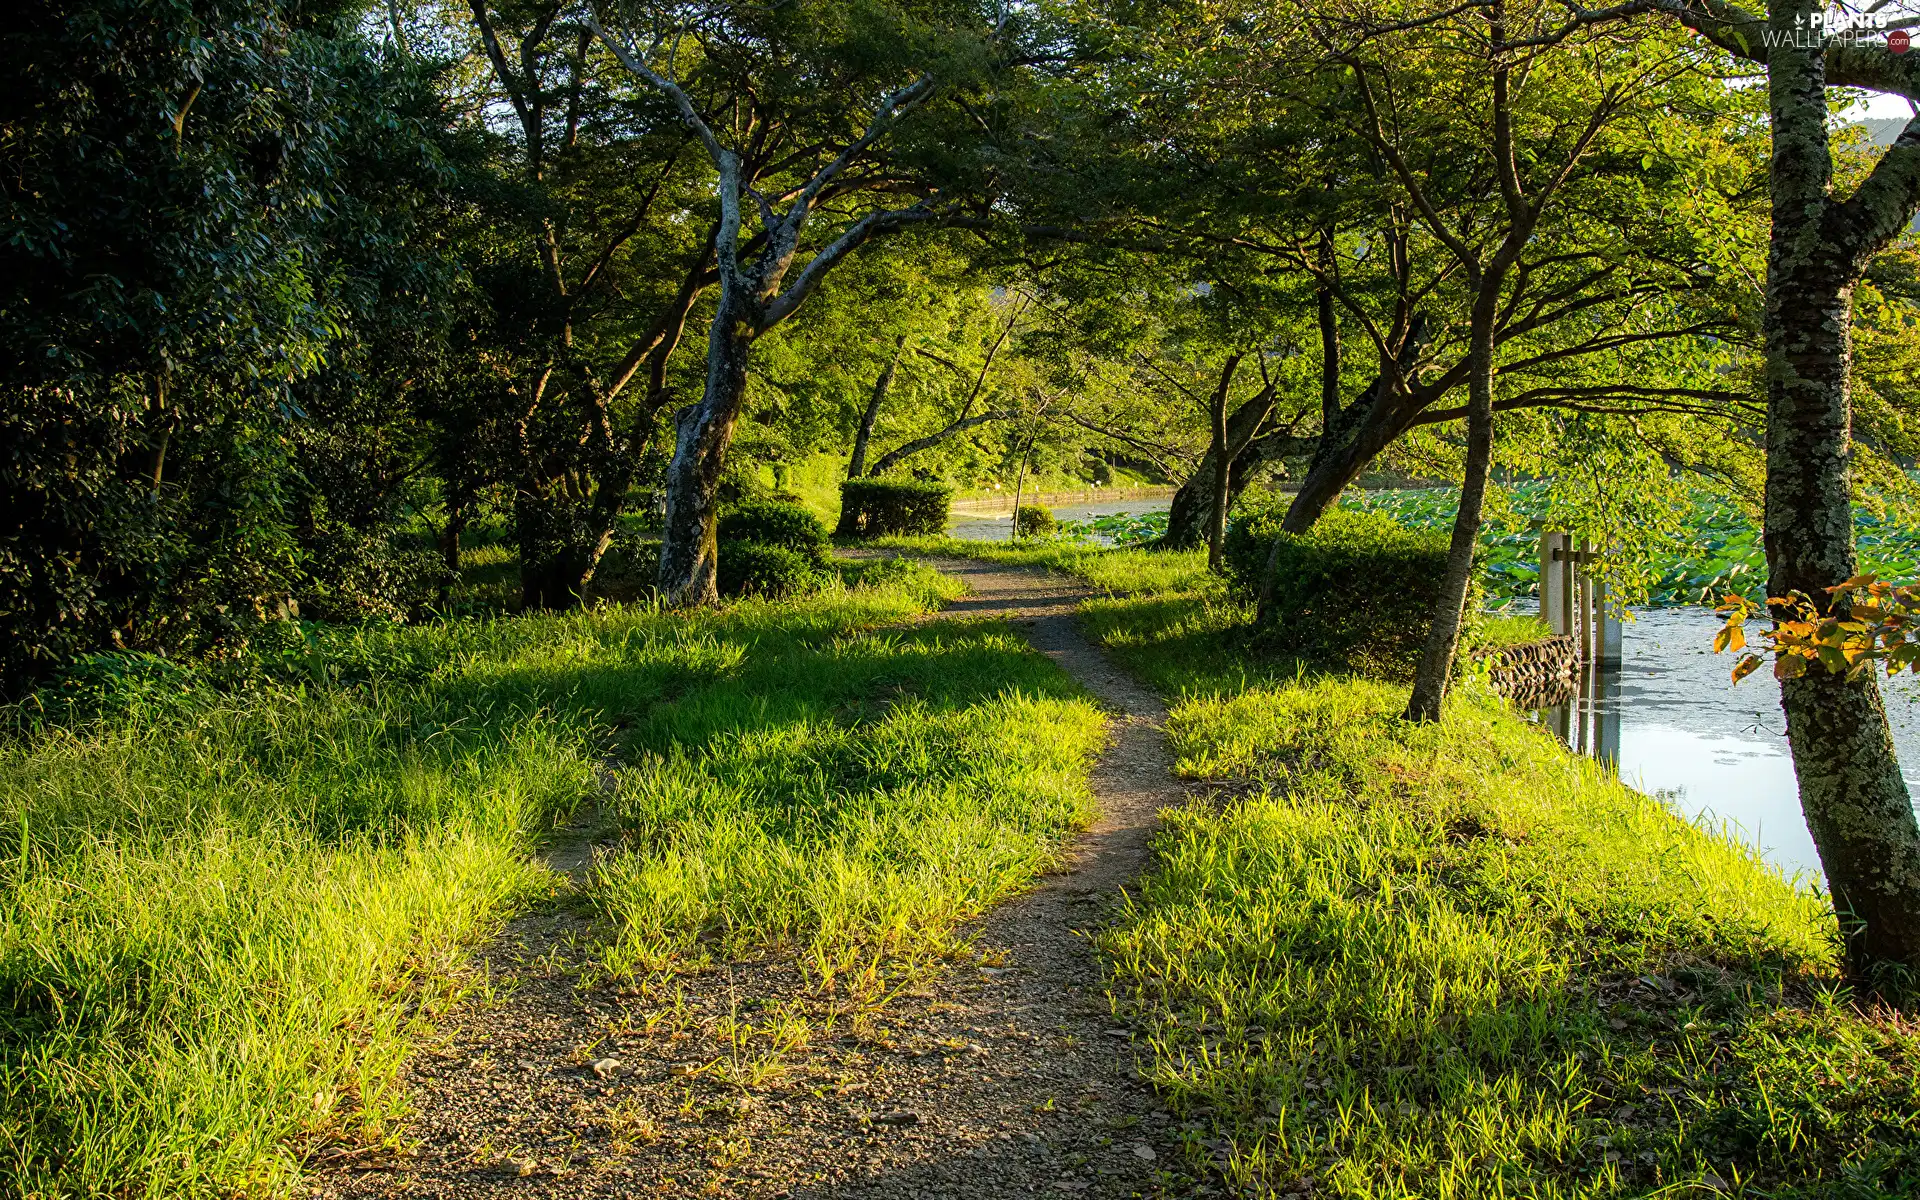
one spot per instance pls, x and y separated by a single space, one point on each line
1679 728
998 526
1668 716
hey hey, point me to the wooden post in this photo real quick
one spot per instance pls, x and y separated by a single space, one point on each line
1583 589
1553 595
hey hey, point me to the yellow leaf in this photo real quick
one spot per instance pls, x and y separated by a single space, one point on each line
1746 666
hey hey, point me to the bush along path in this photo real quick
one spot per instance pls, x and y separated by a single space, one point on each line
984 1064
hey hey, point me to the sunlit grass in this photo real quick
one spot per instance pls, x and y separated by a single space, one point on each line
1454 960
228 892
855 802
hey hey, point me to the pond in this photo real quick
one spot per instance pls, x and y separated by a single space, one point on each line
1716 751
989 526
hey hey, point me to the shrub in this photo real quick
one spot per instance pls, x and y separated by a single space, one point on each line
883 507
771 548
781 523
757 569
1356 591
1034 520
633 557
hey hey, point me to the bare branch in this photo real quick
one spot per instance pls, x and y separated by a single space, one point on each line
870 226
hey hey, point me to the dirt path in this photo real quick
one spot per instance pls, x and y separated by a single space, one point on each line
1004 1076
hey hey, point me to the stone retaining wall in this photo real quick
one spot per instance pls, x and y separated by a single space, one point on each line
1537 672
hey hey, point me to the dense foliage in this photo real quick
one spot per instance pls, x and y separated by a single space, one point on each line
218 252
1354 591
894 507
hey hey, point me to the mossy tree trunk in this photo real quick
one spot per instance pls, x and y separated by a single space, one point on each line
1856 803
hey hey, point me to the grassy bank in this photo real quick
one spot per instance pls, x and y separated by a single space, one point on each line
231 891
1456 961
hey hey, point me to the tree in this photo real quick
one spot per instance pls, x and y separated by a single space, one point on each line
792 149
1856 803
593 270
189 235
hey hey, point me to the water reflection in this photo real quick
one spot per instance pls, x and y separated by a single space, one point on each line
1677 727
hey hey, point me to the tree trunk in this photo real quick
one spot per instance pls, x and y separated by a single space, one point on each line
1351 438
1222 483
1329 321
1019 483
1370 426
1856 803
1193 501
857 465
688 548
1443 637
450 536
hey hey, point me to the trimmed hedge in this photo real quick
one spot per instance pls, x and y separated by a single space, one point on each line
880 507
771 548
1034 520
775 523
754 569
1356 591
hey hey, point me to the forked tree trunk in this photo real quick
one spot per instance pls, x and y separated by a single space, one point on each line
1856 803
688 547
751 302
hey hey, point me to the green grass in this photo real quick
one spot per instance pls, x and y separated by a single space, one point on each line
1496 631
1119 572
229 893
1451 961
852 801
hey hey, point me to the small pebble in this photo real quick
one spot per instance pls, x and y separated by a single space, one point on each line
605 1067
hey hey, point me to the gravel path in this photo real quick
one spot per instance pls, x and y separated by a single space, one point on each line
1003 1075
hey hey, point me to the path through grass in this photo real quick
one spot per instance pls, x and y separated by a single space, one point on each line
1456 961
230 892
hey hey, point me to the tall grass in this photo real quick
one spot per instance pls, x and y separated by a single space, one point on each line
1454 960
227 893
852 801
